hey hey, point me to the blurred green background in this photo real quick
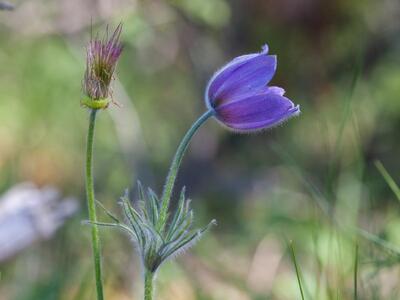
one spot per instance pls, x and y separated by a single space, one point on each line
312 181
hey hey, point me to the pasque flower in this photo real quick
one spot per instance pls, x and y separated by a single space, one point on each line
240 98
101 59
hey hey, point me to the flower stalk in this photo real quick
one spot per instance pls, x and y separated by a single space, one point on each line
148 285
101 59
91 205
173 171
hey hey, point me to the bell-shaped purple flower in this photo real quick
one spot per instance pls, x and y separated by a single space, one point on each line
240 98
101 59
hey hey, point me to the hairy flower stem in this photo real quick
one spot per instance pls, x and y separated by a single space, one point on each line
173 171
92 206
148 285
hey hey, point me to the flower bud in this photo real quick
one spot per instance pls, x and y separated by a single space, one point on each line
101 59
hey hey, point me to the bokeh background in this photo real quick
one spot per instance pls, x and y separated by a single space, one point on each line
315 183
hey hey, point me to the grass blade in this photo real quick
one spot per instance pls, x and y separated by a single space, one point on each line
389 179
296 268
355 273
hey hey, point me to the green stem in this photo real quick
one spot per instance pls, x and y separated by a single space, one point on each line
91 205
148 285
173 171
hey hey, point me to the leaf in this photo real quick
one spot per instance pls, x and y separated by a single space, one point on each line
109 213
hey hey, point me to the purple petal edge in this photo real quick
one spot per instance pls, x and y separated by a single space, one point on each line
259 126
257 112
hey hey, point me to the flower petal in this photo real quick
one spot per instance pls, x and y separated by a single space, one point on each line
257 112
244 74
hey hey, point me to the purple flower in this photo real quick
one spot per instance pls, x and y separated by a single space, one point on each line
239 95
102 56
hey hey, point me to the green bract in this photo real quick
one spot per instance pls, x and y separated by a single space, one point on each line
154 246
